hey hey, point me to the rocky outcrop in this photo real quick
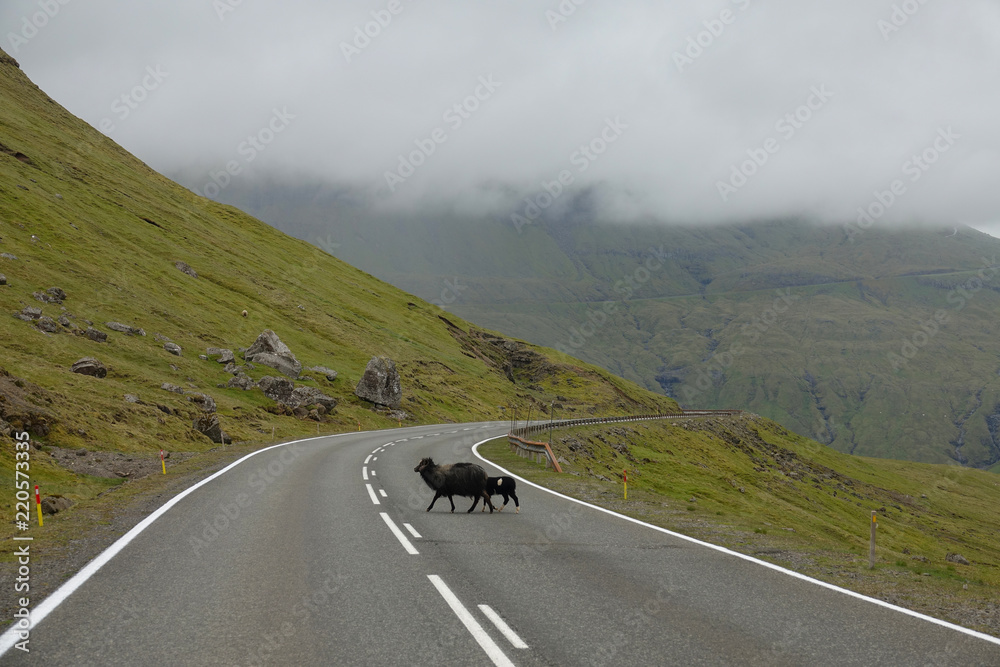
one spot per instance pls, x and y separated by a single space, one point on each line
209 425
206 402
270 351
95 335
48 325
224 356
90 366
277 389
184 268
328 373
172 348
124 328
243 382
64 321
380 384
51 295
306 396
55 504
166 386
29 314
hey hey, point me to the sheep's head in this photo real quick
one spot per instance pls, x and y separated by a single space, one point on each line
424 463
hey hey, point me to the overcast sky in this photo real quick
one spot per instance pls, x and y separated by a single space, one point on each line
669 98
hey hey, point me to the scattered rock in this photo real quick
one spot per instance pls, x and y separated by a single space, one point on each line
90 366
163 339
224 356
922 559
380 384
3 279
184 268
63 320
48 325
270 351
51 295
243 382
166 386
956 558
164 409
330 374
124 328
131 398
398 415
172 348
277 389
7 255
54 504
209 425
206 402
306 396
95 335
234 368
29 314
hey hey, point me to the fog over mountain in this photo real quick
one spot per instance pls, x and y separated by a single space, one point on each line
711 111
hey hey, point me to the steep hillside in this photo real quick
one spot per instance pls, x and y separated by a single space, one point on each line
89 236
879 342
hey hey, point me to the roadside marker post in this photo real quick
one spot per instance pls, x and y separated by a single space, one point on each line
38 504
359 423
163 462
625 482
871 547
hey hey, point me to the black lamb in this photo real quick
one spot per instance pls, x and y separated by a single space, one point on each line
506 487
455 479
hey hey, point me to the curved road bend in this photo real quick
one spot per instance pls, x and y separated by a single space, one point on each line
321 553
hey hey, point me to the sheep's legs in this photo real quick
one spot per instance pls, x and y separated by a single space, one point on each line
436 496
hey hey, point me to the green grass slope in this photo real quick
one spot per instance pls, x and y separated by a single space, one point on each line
79 213
747 483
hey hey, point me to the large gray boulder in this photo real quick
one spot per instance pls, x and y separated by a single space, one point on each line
305 396
277 389
270 351
380 383
209 425
90 366
172 348
95 335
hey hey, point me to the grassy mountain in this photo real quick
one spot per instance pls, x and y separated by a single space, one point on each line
879 342
80 214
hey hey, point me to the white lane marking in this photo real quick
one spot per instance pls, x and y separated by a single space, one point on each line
373 473
417 437
502 626
413 531
434 435
374 459
737 554
388 444
471 624
383 493
403 440
410 549
451 431
368 459
376 450
467 429
371 492
364 472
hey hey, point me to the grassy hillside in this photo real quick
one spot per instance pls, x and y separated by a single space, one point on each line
79 213
746 483
850 356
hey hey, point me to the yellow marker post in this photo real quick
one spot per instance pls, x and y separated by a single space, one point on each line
38 504
163 462
359 423
871 548
625 482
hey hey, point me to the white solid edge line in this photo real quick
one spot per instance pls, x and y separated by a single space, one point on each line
371 492
413 531
9 638
498 657
502 626
772 566
364 473
410 549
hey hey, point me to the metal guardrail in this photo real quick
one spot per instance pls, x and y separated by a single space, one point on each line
540 451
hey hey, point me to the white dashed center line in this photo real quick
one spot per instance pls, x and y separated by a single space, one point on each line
371 492
413 531
502 626
471 624
410 549
383 493
364 473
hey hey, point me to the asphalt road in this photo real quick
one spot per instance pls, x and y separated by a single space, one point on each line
321 553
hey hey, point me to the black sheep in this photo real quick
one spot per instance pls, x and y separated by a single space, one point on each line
455 479
504 486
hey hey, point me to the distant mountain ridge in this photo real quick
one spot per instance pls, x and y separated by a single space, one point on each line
879 343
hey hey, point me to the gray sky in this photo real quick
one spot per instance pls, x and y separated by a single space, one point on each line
677 116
